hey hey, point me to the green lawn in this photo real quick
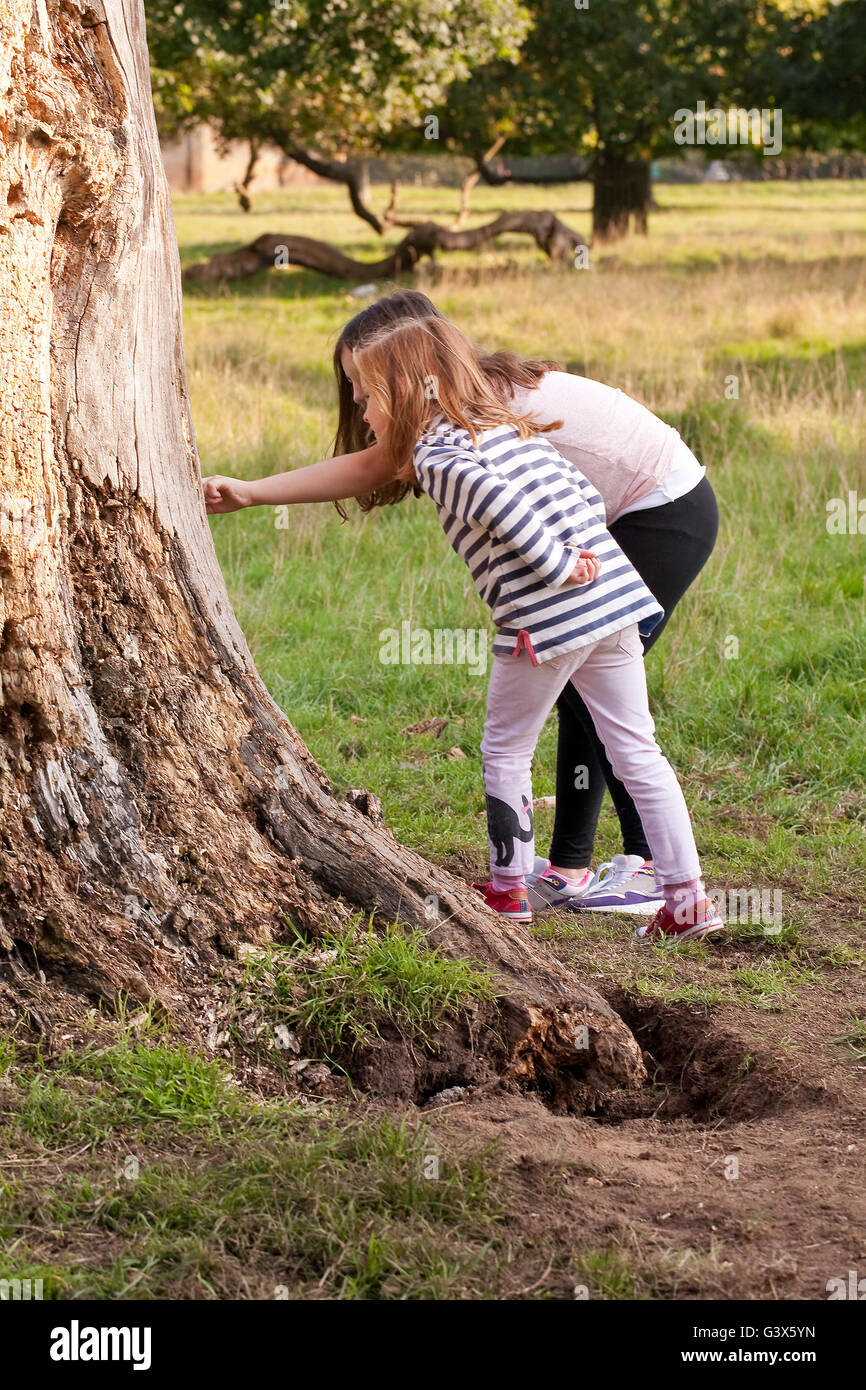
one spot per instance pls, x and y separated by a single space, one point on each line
758 685
141 1171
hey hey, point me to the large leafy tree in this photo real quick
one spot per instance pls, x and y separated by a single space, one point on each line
328 81
605 82
815 69
331 81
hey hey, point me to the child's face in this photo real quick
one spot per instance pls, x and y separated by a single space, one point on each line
374 414
347 359
376 418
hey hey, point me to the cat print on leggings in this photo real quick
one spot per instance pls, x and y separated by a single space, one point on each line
504 828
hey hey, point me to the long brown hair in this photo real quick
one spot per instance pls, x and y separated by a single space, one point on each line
419 369
506 372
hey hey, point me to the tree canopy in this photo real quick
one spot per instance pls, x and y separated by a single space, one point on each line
333 81
325 80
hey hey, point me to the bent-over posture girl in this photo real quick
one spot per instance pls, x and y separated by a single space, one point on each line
568 605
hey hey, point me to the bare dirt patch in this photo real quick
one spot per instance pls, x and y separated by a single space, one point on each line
770 1207
736 1172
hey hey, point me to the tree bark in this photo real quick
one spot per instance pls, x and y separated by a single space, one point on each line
271 249
158 812
622 196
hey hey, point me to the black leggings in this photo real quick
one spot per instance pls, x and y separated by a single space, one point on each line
668 546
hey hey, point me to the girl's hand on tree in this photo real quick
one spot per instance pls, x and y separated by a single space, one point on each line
587 568
225 494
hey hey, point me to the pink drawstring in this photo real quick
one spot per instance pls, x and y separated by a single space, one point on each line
524 640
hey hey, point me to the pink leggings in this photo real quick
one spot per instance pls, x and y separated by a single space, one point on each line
609 676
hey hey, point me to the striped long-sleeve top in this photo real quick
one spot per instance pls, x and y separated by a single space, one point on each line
517 512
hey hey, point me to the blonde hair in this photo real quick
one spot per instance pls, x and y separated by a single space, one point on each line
418 369
506 372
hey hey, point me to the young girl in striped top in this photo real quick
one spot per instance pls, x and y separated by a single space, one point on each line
567 604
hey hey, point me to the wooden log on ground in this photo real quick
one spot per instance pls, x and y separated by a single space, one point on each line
272 249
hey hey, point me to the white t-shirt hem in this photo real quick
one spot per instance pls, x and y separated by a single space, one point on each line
682 478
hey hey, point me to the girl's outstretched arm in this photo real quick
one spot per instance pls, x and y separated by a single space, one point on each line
331 480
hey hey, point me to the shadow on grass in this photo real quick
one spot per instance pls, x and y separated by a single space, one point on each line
289 285
297 284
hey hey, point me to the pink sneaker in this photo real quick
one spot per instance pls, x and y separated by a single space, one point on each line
665 924
514 906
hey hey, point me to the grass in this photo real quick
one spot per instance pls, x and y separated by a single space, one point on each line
854 1039
626 1269
343 987
760 972
140 1171
129 1086
757 687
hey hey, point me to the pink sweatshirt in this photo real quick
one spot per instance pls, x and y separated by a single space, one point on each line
624 450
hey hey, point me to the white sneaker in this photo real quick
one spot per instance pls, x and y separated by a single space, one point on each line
622 884
546 890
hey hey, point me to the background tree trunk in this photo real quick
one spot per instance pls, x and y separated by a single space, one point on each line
622 195
157 809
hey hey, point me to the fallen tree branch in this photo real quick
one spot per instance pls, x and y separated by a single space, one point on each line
552 236
338 171
497 174
471 180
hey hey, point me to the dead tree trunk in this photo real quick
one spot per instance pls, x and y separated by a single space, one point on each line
157 809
